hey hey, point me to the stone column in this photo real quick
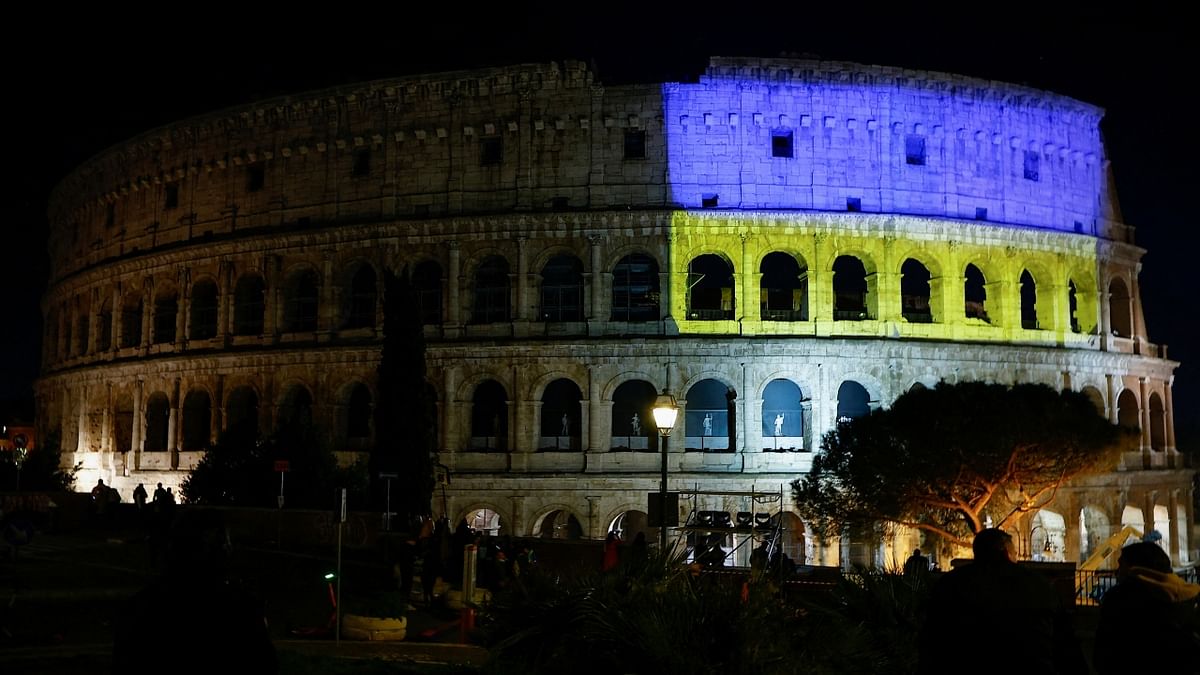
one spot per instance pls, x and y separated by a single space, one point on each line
518 516
1144 415
139 423
272 298
1071 543
1138 323
522 313
106 431
94 309
81 442
595 528
746 303
1148 499
453 297
1111 397
118 311
451 432
1173 524
148 309
597 315
1105 301
595 408
173 425
217 423
225 292
327 312
1169 413
183 307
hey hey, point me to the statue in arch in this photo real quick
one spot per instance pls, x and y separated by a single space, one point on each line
708 424
635 425
779 424
566 426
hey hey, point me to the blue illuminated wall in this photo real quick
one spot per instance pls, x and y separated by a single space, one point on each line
882 140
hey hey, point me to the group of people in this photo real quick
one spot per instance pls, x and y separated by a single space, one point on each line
994 601
436 554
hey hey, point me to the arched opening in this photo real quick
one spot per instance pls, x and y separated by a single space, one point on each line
710 294
1131 516
635 289
794 544
158 411
561 419
68 331
562 290
489 417
1120 313
1162 525
632 422
1073 305
358 412
709 422
783 294
1047 537
197 420
558 524
1182 525
1096 398
427 285
491 291
248 305
629 524
484 521
853 401
783 416
241 413
204 310
122 428
1094 530
300 302
850 301
360 308
166 306
1029 317
295 412
1127 411
1158 424
83 331
975 294
914 292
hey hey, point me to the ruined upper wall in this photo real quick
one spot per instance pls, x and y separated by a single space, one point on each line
546 136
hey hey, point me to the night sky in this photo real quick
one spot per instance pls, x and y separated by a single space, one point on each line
72 92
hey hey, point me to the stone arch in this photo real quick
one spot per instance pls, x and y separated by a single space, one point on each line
1158 423
489 416
539 260
122 425
1029 300
610 387
359 294
83 323
636 292
628 522
1120 308
490 522
427 285
166 310
852 282
158 411
105 335
1082 301
358 405
1096 398
783 289
203 309
197 420
710 416
491 290
301 299
249 304
558 522
1132 516
242 411
1094 530
1047 537
975 293
561 288
711 290
795 540
295 405
614 256
853 400
632 401
785 415
560 411
1128 414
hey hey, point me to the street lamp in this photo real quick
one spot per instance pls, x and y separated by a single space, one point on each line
665 412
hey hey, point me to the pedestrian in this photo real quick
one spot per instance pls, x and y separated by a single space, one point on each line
916 565
139 496
406 559
1150 605
612 556
992 598
160 496
431 569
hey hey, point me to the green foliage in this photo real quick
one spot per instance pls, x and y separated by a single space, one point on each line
41 469
940 458
406 412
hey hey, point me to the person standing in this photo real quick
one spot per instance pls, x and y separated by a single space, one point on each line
612 556
139 497
916 564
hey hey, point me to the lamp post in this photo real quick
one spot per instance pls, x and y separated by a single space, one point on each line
665 412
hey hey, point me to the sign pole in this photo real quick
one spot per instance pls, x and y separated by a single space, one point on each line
341 520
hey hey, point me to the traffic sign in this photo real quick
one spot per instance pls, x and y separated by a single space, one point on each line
282 465
387 475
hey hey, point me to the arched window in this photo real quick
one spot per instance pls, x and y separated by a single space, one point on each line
635 289
295 412
360 310
1158 424
1096 398
84 331
561 417
1029 317
68 331
849 289
782 416
710 288
300 302
489 417
248 305
710 420
166 306
197 420
104 334
122 425
1081 298
558 524
853 401
158 411
1119 309
632 422
131 322
242 413
783 293
914 292
358 412
975 294
1127 411
204 310
427 284
562 289
491 291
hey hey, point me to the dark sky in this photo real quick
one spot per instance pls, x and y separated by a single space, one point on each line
74 91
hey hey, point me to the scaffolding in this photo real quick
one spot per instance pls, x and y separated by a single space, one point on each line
757 521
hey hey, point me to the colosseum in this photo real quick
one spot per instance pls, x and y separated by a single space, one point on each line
780 244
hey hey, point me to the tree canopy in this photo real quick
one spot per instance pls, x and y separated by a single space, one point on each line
944 460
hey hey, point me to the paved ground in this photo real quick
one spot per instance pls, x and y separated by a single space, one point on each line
61 594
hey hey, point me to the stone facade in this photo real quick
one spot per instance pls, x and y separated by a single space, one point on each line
752 242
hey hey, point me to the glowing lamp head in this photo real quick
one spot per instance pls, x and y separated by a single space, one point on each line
329 576
665 412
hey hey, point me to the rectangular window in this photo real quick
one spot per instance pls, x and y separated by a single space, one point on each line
781 143
1031 165
980 213
362 163
559 203
709 201
853 204
256 178
635 144
914 150
491 151
110 216
171 196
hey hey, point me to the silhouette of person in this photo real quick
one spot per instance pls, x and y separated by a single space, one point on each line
1150 605
993 596
221 628
779 424
160 496
916 564
139 496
